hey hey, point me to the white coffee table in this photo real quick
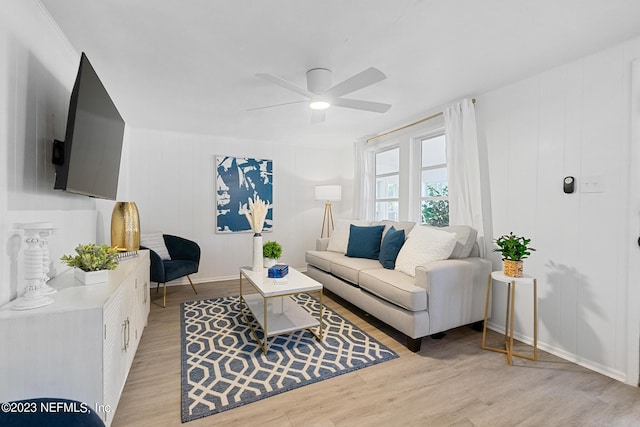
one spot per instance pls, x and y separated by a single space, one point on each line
274 309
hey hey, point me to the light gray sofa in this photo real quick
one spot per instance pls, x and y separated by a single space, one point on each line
444 294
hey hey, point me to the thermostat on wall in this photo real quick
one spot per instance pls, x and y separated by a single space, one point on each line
569 184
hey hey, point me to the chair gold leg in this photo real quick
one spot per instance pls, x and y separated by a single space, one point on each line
164 296
194 288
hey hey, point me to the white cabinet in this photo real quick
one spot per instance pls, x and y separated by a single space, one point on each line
141 305
117 351
80 347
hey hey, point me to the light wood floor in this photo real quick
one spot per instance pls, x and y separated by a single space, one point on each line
449 382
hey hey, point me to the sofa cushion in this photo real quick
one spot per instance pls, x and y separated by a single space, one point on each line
390 247
465 239
349 268
396 287
174 269
364 242
321 259
340 238
155 242
424 244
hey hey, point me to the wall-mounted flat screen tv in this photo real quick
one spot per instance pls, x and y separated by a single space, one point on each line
88 160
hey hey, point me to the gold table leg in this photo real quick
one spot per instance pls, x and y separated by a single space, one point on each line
535 319
504 350
535 326
486 315
254 333
319 334
265 343
512 289
509 322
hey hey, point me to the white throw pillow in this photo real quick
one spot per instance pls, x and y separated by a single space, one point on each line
424 244
339 239
465 236
155 242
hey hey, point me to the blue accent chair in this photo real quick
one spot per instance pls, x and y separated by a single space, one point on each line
185 260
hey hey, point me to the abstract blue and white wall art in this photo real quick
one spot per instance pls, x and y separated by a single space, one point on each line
237 180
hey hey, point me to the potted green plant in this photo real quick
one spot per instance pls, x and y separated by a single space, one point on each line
271 251
513 249
92 262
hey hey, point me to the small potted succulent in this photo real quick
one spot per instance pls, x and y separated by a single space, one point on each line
92 262
271 251
513 249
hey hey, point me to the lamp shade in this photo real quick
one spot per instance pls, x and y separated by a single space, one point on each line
328 192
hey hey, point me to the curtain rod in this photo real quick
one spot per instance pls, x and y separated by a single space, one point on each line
433 116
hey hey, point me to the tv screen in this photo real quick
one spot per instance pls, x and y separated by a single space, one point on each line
88 160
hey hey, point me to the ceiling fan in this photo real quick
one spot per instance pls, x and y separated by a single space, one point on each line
321 95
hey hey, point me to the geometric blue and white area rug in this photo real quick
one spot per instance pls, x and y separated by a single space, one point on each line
223 367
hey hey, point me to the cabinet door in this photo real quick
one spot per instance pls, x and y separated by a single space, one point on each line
141 300
146 298
113 350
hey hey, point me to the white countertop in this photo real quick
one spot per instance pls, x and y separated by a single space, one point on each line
74 295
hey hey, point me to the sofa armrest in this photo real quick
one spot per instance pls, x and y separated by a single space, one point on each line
456 290
322 244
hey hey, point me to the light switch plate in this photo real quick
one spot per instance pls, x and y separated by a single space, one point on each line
592 184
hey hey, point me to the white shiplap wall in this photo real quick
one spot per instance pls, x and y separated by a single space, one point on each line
572 120
172 181
37 70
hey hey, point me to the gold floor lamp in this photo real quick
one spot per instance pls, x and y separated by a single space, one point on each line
328 193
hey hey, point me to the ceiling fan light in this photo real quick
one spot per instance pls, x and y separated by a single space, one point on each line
319 105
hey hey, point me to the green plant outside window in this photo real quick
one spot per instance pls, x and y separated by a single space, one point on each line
436 212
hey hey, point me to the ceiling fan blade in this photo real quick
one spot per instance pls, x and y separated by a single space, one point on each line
363 79
318 116
376 107
285 84
275 105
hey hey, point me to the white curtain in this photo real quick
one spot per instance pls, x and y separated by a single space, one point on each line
363 189
463 164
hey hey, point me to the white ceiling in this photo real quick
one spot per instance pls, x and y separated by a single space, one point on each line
190 65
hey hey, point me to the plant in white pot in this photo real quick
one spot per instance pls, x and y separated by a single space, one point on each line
271 251
514 249
92 262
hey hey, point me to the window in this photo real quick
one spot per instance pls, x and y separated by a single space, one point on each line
387 175
406 176
434 189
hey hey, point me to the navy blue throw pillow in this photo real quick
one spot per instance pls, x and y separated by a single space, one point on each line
391 245
364 242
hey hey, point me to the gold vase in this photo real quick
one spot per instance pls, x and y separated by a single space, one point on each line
125 226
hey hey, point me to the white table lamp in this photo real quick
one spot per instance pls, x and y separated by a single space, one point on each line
328 193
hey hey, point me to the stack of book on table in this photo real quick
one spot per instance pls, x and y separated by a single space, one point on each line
278 271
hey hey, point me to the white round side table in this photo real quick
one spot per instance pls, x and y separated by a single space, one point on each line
511 282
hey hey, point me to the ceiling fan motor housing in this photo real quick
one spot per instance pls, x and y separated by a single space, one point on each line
322 95
318 80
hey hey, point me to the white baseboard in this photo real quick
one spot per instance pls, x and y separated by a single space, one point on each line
573 358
